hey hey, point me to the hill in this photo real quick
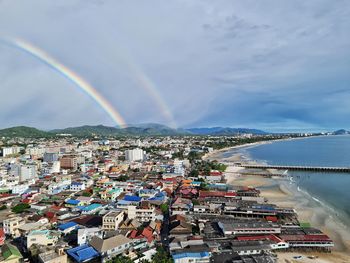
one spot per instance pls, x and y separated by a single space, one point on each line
100 130
341 132
23 131
225 131
151 129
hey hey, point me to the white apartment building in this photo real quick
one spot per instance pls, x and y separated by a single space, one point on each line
135 155
6 151
179 167
86 234
141 214
112 220
11 226
27 172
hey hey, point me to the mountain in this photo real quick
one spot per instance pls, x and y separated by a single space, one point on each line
88 130
148 129
341 132
142 130
23 131
224 131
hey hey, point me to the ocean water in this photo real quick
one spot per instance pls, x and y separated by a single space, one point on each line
329 189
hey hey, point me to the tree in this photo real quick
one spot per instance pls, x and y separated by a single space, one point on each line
20 208
120 259
194 173
161 256
164 208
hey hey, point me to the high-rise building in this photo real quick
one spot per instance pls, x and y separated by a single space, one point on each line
69 162
6 151
27 172
50 157
135 155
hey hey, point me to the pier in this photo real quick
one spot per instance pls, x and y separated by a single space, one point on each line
298 168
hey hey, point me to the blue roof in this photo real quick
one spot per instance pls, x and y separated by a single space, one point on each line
76 183
89 207
67 225
191 255
72 202
132 198
83 253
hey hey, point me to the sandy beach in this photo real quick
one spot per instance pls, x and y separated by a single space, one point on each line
279 191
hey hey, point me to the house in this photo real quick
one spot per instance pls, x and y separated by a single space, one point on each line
111 247
145 233
179 227
188 257
67 227
42 237
85 234
181 206
83 253
11 226
142 214
90 209
77 186
2 236
53 256
10 253
248 228
72 203
111 194
112 220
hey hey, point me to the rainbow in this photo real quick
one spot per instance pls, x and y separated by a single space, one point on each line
68 74
147 84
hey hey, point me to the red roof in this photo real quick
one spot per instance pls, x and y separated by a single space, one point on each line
215 173
263 237
230 194
305 238
212 194
271 218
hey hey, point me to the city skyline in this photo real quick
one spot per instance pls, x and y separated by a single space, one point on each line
273 66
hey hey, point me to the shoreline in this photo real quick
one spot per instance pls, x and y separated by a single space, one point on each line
210 155
282 192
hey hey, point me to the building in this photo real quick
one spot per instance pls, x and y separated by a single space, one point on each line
27 172
141 214
85 234
248 228
111 247
11 254
50 157
83 253
112 220
6 151
11 226
42 237
67 227
69 162
53 256
77 186
179 167
135 155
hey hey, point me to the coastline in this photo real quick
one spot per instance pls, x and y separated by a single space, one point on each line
282 192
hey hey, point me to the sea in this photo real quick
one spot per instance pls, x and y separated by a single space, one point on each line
329 189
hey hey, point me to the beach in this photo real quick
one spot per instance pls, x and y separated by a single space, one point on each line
281 192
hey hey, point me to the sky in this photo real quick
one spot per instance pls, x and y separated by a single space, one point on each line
276 65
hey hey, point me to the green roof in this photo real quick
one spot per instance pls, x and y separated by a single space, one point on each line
305 224
9 250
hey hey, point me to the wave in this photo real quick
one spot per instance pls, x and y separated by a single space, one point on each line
343 219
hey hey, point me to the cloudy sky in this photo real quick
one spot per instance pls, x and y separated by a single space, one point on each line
275 65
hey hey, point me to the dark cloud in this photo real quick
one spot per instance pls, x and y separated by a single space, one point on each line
254 63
